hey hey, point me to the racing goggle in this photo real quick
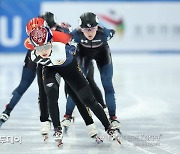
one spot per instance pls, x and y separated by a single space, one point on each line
89 29
43 47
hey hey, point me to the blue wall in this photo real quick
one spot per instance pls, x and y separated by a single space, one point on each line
13 18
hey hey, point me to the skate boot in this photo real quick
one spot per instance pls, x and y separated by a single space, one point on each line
114 134
3 118
92 132
45 128
58 136
115 123
66 122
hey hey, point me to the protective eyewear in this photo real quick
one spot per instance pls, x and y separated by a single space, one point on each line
89 29
44 47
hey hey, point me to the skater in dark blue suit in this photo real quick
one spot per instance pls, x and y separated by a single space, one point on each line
92 45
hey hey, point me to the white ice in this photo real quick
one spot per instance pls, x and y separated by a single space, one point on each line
147 95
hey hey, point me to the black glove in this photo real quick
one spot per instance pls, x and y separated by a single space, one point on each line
72 49
112 32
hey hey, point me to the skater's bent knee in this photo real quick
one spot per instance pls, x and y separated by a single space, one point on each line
84 93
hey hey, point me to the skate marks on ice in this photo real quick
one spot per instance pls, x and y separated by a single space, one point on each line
152 135
141 87
145 145
77 141
146 116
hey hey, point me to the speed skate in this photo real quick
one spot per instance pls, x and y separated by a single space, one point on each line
97 139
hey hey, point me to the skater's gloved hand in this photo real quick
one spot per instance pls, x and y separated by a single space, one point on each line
72 50
112 32
66 25
73 47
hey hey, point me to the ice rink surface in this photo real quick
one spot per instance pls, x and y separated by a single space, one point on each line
147 95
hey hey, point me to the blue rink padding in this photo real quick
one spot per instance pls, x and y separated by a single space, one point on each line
13 17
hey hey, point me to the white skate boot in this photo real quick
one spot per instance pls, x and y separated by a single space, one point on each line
115 123
3 118
66 122
114 134
58 136
45 128
92 132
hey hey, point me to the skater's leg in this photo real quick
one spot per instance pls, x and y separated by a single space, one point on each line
42 100
106 73
86 96
43 107
91 128
95 89
105 66
70 105
81 107
28 76
80 86
51 85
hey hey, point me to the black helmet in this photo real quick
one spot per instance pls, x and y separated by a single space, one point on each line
88 20
50 19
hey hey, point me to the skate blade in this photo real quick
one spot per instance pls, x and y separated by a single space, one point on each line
118 140
1 123
59 142
65 130
118 130
98 139
45 137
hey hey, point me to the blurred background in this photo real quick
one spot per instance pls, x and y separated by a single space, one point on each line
141 25
145 52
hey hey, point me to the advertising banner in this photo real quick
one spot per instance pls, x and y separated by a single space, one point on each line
140 26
